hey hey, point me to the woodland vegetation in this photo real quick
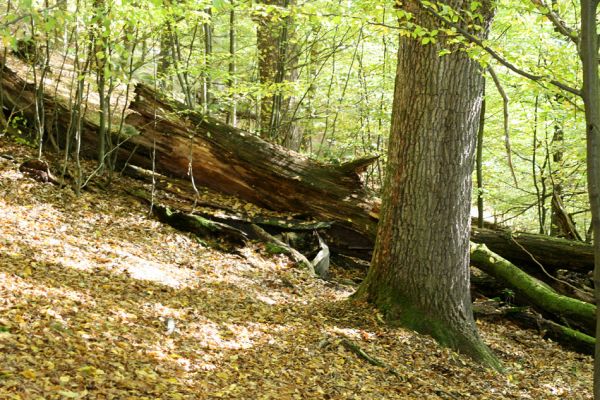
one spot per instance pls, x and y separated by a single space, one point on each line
325 151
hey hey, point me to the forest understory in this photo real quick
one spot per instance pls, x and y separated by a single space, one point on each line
99 300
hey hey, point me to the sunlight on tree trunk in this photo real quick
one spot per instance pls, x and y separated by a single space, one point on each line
591 99
419 276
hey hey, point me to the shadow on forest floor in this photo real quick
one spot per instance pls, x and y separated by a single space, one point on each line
90 285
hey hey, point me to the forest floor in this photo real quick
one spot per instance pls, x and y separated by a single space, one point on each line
100 301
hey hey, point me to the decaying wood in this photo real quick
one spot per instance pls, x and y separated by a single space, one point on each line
18 96
552 253
541 296
202 227
231 161
282 247
240 164
38 170
527 318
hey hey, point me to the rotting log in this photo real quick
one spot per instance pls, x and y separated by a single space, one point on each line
536 293
202 227
281 247
219 157
234 162
18 99
553 253
238 163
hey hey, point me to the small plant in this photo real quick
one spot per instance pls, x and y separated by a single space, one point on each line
508 295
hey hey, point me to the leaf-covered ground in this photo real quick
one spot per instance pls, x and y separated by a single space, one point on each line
100 301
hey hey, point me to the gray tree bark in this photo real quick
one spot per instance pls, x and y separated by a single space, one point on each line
419 276
591 99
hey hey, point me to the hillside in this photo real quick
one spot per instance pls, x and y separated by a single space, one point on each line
100 301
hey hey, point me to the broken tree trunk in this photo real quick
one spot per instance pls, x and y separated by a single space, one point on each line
535 292
179 142
238 163
527 318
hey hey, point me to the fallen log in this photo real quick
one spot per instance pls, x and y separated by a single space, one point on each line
18 96
202 227
163 135
234 230
536 293
231 161
523 249
241 164
283 248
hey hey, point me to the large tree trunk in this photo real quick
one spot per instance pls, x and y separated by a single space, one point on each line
420 270
238 163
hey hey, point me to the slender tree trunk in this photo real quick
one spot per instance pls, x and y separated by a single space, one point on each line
538 182
267 42
100 49
419 275
208 45
276 64
164 59
591 99
232 116
479 163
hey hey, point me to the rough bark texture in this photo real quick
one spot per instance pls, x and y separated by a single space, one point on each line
552 253
237 163
419 275
588 51
222 158
19 97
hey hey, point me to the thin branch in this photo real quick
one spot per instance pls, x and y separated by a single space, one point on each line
539 264
27 15
473 39
505 124
559 24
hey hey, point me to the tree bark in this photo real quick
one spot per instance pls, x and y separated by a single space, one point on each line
306 182
268 35
522 248
588 51
240 164
419 275
220 157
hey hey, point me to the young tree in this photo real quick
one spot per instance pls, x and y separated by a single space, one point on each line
419 277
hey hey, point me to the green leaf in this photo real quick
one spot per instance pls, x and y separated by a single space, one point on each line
475 5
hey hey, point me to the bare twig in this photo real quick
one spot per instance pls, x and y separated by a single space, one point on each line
505 124
544 269
354 348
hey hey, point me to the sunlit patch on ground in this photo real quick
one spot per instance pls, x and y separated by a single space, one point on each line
99 301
